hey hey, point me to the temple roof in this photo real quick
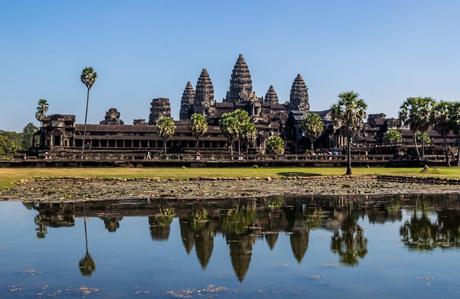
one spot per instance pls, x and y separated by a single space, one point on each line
188 97
298 99
204 91
240 80
271 96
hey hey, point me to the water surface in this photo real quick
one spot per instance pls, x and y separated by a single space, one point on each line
394 247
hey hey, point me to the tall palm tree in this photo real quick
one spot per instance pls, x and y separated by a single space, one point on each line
443 124
42 109
313 127
416 113
87 265
348 116
230 128
248 134
455 118
88 77
167 128
199 126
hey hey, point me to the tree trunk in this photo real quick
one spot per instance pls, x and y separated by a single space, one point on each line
312 147
349 156
164 145
458 154
196 145
86 120
423 147
416 146
447 149
231 149
239 148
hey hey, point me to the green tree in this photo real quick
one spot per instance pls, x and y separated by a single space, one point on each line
392 136
40 115
232 125
248 134
455 118
423 137
42 109
416 113
443 123
199 126
7 146
313 127
88 77
167 128
275 145
27 136
348 116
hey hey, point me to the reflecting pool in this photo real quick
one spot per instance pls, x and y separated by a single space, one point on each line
315 247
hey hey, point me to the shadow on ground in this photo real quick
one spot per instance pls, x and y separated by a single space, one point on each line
298 173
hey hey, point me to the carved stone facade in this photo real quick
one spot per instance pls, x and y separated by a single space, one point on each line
271 96
159 107
240 82
186 105
112 117
204 95
298 99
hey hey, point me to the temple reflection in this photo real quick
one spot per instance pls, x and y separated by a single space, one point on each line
426 223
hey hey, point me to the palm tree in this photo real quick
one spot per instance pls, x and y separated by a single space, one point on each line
167 128
40 115
275 145
88 77
42 108
313 127
443 123
392 136
348 116
455 118
87 265
230 127
248 134
199 126
416 113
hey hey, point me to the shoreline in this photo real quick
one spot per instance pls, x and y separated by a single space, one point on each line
74 189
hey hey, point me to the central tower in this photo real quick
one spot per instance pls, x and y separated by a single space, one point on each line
240 81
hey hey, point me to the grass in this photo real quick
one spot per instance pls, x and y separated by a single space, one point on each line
9 176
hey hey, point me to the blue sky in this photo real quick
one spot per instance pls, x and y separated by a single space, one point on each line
385 50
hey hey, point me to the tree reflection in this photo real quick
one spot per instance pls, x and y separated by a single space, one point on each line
422 233
160 224
349 241
87 265
111 223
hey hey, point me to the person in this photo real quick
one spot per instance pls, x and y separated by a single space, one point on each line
149 157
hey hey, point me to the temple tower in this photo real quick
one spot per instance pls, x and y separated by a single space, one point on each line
298 99
112 117
204 94
186 105
240 81
159 107
271 96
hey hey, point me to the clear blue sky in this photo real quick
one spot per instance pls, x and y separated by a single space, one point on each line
385 50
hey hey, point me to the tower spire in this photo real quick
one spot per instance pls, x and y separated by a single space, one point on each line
271 96
186 104
204 94
240 80
298 99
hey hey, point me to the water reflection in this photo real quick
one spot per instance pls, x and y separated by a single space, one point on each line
432 222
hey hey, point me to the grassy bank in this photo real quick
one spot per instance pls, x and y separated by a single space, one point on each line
8 176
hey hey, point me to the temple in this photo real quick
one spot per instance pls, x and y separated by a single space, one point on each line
271 116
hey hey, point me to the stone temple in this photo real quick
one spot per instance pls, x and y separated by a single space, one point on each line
271 115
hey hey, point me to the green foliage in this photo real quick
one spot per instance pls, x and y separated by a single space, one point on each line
416 113
166 127
275 145
27 135
423 137
348 113
198 125
9 144
444 117
42 108
312 126
88 77
392 136
237 125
